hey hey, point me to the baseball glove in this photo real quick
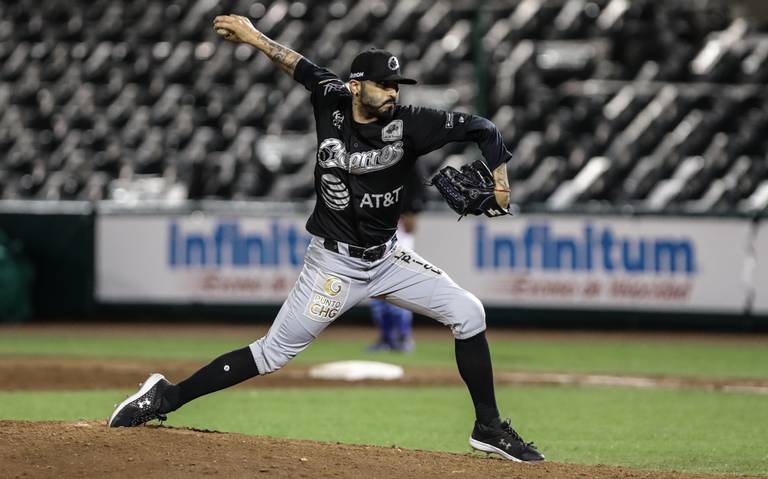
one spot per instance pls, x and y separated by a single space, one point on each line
469 191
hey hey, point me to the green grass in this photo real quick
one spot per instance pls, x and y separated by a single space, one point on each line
612 357
695 431
113 346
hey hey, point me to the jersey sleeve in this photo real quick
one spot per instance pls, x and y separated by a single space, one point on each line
324 85
435 128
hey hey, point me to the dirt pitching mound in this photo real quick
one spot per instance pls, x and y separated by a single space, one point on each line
88 449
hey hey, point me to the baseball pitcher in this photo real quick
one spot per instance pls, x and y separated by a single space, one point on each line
367 146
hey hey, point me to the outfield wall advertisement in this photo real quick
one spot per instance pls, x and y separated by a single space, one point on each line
197 258
639 263
760 270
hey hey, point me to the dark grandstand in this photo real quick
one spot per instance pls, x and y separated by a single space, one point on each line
655 105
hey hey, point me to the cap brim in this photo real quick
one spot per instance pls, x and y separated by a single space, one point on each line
401 79
395 78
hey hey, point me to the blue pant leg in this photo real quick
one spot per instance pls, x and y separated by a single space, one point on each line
384 320
404 323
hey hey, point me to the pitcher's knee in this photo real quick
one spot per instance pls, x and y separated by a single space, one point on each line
270 357
468 316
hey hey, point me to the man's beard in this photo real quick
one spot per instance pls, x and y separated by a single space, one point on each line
375 110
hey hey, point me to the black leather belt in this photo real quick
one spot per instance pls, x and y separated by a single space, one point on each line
368 254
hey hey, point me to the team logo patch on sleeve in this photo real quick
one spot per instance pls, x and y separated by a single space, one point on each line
328 297
338 119
393 131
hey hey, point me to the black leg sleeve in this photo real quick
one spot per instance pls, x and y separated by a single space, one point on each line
225 371
474 361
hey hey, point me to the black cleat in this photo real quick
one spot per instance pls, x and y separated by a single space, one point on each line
499 438
143 406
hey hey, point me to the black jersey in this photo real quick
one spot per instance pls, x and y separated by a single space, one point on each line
361 168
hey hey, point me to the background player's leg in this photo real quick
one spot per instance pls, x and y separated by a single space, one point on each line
390 324
403 324
384 322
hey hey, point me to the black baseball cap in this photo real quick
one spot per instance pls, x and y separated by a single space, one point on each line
378 65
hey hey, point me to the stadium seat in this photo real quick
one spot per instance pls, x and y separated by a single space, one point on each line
654 104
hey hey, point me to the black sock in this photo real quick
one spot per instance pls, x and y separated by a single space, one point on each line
474 361
225 371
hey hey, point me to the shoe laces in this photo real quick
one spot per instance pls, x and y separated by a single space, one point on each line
506 426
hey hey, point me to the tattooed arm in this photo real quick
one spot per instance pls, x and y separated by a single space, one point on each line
502 185
240 29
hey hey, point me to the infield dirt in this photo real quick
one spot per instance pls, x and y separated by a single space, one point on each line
88 449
